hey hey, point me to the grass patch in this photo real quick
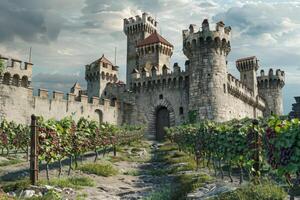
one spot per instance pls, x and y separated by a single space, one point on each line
132 172
182 185
16 185
158 171
100 169
81 196
264 191
4 196
10 162
72 182
164 193
50 195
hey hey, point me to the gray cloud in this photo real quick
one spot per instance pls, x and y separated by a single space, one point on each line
29 20
81 30
57 81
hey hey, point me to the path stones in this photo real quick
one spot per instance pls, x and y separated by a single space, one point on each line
210 190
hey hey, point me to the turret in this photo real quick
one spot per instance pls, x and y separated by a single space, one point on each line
98 74
270 88
207 52
15 73
247 68
154 51
136 30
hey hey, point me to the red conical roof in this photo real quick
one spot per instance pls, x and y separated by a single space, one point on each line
153 39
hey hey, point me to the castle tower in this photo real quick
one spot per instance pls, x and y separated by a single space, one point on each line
136 30
154 51
247 68
207 52
15 73
270 88
98 74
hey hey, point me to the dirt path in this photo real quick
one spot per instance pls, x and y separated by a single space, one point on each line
143 169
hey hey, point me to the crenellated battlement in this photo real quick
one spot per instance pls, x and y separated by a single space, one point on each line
154 48
143 80
139 23
271 80
236 88
43 94
218 39
247 64
16 72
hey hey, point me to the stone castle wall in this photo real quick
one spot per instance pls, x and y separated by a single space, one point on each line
18 104
154 92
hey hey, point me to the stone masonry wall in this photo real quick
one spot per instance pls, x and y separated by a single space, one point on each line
18 104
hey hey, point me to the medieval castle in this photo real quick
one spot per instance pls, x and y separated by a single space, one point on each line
153 94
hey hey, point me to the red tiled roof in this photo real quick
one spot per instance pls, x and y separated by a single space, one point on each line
153 39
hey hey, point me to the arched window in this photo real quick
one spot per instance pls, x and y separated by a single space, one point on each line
103 75
6 79
161 96
16 80
24 81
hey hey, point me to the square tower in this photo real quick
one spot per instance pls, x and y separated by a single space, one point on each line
98 74
136 30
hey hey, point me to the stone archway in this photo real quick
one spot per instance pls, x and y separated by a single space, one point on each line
100 115
161 115
162 120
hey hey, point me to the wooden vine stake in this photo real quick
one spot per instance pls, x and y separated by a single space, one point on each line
33 152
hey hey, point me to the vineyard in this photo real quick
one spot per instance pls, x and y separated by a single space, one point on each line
243 152
259 148
62 139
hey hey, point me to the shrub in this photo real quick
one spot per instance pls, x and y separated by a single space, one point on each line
264 191
16 186
100 169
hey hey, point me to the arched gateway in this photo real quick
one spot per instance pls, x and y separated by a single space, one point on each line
161 115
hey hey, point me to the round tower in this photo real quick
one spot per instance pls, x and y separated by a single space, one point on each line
136 30
207 52
270 88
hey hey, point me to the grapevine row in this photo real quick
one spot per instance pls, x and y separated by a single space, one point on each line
272 145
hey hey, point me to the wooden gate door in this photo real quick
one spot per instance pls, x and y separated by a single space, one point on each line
162 121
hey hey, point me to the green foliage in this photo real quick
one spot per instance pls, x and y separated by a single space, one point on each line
132 172
16 186
164 193
10 162
4 196
264 191
192 116
72 182
50 195
2 67
100 169
244 144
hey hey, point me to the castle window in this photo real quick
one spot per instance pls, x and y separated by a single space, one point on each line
224 87
16 80
24 81
181 110
105 65
6 78
245 76
105 93
161 96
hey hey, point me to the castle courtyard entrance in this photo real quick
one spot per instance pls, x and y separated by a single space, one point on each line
162 121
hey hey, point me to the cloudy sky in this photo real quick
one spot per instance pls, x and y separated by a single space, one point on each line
67 34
